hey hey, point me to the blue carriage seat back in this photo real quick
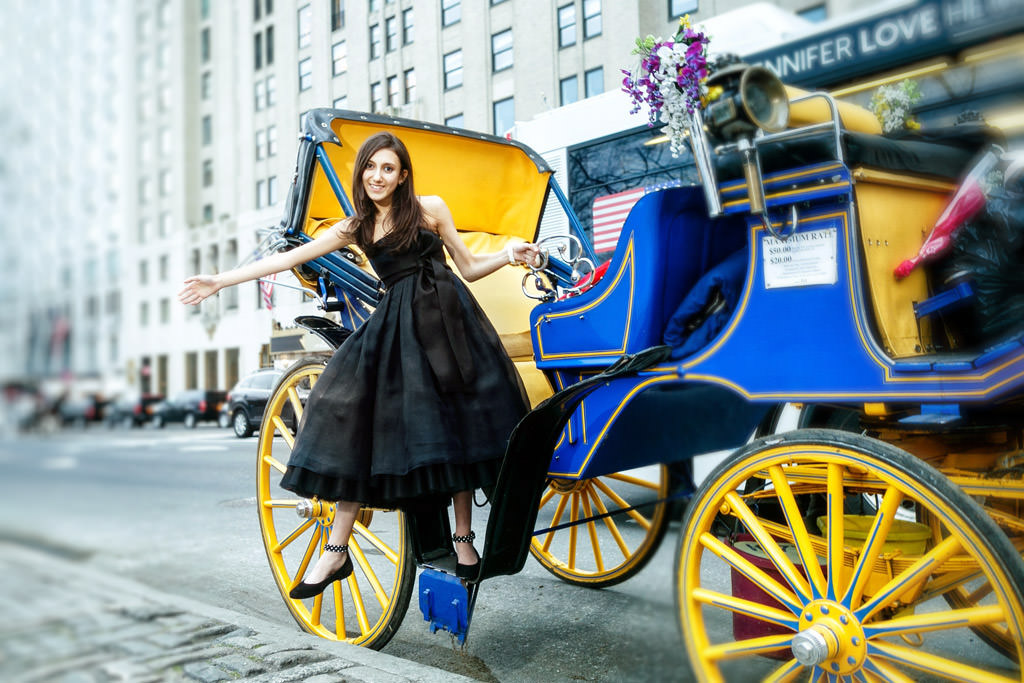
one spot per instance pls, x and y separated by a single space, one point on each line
667 243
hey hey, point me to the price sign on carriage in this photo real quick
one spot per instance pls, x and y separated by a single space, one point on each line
805 258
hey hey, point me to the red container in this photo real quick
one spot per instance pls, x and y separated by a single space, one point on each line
743 626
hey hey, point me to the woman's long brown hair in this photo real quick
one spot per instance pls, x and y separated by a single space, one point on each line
406 216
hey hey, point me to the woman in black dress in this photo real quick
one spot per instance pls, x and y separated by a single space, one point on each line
418 402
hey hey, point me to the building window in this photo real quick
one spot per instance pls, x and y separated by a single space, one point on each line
165 224
143 273
376 97
451 12
339 58
394 91
165 267
271 141
204 9
261 188
207 172
591 18
569 90
204 45
456 121
391 34
269 44
206 85
165 141
408 27
261 143
566 25
340 102
271 91
268 7
501 50
144 313
677 8
145 190
164 98
257 51
165 311
165 183
594 81
305 73
272 190
817 14
257 9
496 2
337 14
504 115
207 213
410 85
207 129
375 41
143 231
305 26
453 70
260 94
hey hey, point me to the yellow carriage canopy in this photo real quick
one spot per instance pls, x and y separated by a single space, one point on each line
492 185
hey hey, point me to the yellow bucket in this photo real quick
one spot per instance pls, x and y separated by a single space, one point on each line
910 538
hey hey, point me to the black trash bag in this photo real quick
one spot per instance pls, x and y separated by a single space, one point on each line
988 252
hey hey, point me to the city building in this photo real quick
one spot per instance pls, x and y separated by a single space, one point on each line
182 115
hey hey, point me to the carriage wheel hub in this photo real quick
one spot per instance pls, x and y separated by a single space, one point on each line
830 637
315 509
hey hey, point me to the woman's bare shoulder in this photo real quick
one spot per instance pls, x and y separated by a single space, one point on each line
345 229
432 203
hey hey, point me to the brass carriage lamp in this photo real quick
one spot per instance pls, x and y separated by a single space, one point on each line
753 100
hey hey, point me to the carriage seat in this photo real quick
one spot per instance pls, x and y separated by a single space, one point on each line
666 244
942 154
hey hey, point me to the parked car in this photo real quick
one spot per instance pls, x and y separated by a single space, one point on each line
132 411
81 410
190 407
247 399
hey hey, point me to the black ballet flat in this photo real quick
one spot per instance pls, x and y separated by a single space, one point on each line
467 571
308 590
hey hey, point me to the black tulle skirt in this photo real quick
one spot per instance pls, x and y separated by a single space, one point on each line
381 429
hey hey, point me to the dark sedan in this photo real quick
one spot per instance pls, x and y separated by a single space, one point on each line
132 411
190 407
247 400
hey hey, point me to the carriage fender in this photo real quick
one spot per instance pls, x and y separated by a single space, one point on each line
523 476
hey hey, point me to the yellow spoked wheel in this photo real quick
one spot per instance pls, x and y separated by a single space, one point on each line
763 594
366 608
608 550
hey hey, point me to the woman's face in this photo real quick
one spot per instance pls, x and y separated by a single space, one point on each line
382 175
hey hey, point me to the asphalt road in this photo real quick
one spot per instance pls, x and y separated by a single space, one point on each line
175 509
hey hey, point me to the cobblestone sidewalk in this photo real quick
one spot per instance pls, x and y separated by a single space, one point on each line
63 622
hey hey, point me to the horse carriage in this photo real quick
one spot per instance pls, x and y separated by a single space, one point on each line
870 543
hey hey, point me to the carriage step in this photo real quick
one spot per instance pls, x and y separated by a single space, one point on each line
446 602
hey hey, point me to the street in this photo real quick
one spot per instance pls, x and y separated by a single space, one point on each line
175 509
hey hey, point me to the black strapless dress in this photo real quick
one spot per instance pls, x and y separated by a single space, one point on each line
419 402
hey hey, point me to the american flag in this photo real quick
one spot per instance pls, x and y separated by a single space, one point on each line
267 290
610 213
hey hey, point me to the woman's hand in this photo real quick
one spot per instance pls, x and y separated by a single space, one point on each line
526 253
197 288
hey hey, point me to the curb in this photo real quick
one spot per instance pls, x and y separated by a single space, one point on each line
75 623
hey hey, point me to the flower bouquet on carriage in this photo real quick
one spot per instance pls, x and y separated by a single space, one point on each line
671 81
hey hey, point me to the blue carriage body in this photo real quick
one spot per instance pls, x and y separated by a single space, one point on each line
809 343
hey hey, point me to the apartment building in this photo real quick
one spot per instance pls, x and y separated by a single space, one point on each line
189 114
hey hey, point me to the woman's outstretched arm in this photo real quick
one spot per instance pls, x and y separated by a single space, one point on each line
199 287
472 266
